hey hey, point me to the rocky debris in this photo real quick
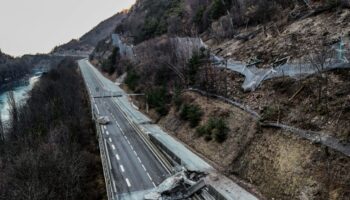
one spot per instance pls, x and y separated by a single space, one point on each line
178 186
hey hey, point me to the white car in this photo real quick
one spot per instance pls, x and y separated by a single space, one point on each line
103 120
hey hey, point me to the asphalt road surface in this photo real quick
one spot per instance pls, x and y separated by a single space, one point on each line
132 164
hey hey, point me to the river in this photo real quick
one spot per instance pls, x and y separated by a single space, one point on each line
20 94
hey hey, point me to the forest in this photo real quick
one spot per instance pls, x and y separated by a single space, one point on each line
50 150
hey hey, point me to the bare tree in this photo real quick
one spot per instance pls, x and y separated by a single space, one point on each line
2 134
319 61
13 110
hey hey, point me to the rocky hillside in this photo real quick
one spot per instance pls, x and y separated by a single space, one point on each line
88 41
288 136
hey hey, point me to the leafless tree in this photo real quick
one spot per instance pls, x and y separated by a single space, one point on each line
2 134
319 60
13 110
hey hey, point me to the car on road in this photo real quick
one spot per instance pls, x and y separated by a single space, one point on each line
103 120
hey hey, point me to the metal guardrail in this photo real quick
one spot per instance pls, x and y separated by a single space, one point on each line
106 172
214 193
165 149
161 158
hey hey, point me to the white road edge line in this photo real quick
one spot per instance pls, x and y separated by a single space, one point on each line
114 186
109 162
98 111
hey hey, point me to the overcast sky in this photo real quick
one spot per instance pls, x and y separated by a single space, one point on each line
36 26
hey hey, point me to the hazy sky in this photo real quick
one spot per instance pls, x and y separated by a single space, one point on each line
36 26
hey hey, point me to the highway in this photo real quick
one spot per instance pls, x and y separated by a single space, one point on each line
132 164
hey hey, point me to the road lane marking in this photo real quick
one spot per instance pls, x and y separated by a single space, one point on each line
150 178
128 182
154 184
135 153
114 186
117 156
113 147
132 148
129 142
144 168
110 139
98 111
107 132
122 168
138 158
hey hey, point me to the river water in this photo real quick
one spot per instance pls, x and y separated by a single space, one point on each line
20 94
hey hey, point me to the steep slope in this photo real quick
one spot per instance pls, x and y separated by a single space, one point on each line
89 40
169 57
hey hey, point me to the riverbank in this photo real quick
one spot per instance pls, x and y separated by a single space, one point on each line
20 90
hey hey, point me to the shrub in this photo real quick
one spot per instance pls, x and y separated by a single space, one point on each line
191 113
198 18
157 98
217 9
177 98
215 128
110 64
193 67
269 113
132 78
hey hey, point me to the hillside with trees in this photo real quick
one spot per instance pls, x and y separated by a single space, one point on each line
50 149
201 101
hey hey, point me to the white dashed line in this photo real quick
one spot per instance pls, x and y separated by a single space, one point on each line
139 159
154 184
128 182
107 132
117 156
110 139
129 142
144 168
135 153
113 147
122 168
150 178
132 148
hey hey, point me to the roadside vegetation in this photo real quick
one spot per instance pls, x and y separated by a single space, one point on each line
216 128
50 150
